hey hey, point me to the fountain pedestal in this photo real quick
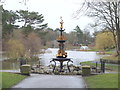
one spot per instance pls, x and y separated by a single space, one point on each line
61 60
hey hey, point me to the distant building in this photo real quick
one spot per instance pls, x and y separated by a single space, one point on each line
84 48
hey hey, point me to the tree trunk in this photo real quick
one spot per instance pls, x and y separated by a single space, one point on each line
118 42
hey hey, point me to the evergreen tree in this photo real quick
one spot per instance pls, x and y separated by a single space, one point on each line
33 19
8 20
79 34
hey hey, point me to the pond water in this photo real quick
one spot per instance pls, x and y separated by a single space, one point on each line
77 56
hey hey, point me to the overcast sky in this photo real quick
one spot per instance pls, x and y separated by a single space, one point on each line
52 10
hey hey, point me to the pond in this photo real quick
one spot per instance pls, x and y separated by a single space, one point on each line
77 56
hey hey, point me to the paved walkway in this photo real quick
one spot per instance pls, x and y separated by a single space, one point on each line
12 71
51 81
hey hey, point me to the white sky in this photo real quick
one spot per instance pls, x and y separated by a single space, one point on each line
52 10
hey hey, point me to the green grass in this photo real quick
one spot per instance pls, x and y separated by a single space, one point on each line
112 57
109 52
88 63
102 81
10 79
0 81
111 67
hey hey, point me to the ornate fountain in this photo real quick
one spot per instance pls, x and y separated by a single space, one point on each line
61 56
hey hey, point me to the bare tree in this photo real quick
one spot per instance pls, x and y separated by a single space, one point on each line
108 14
33 44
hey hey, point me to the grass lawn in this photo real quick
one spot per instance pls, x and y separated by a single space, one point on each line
109 52
111 67
112 57
0 81
102 81
10 79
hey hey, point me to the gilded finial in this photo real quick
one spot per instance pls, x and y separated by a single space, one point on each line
61 23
